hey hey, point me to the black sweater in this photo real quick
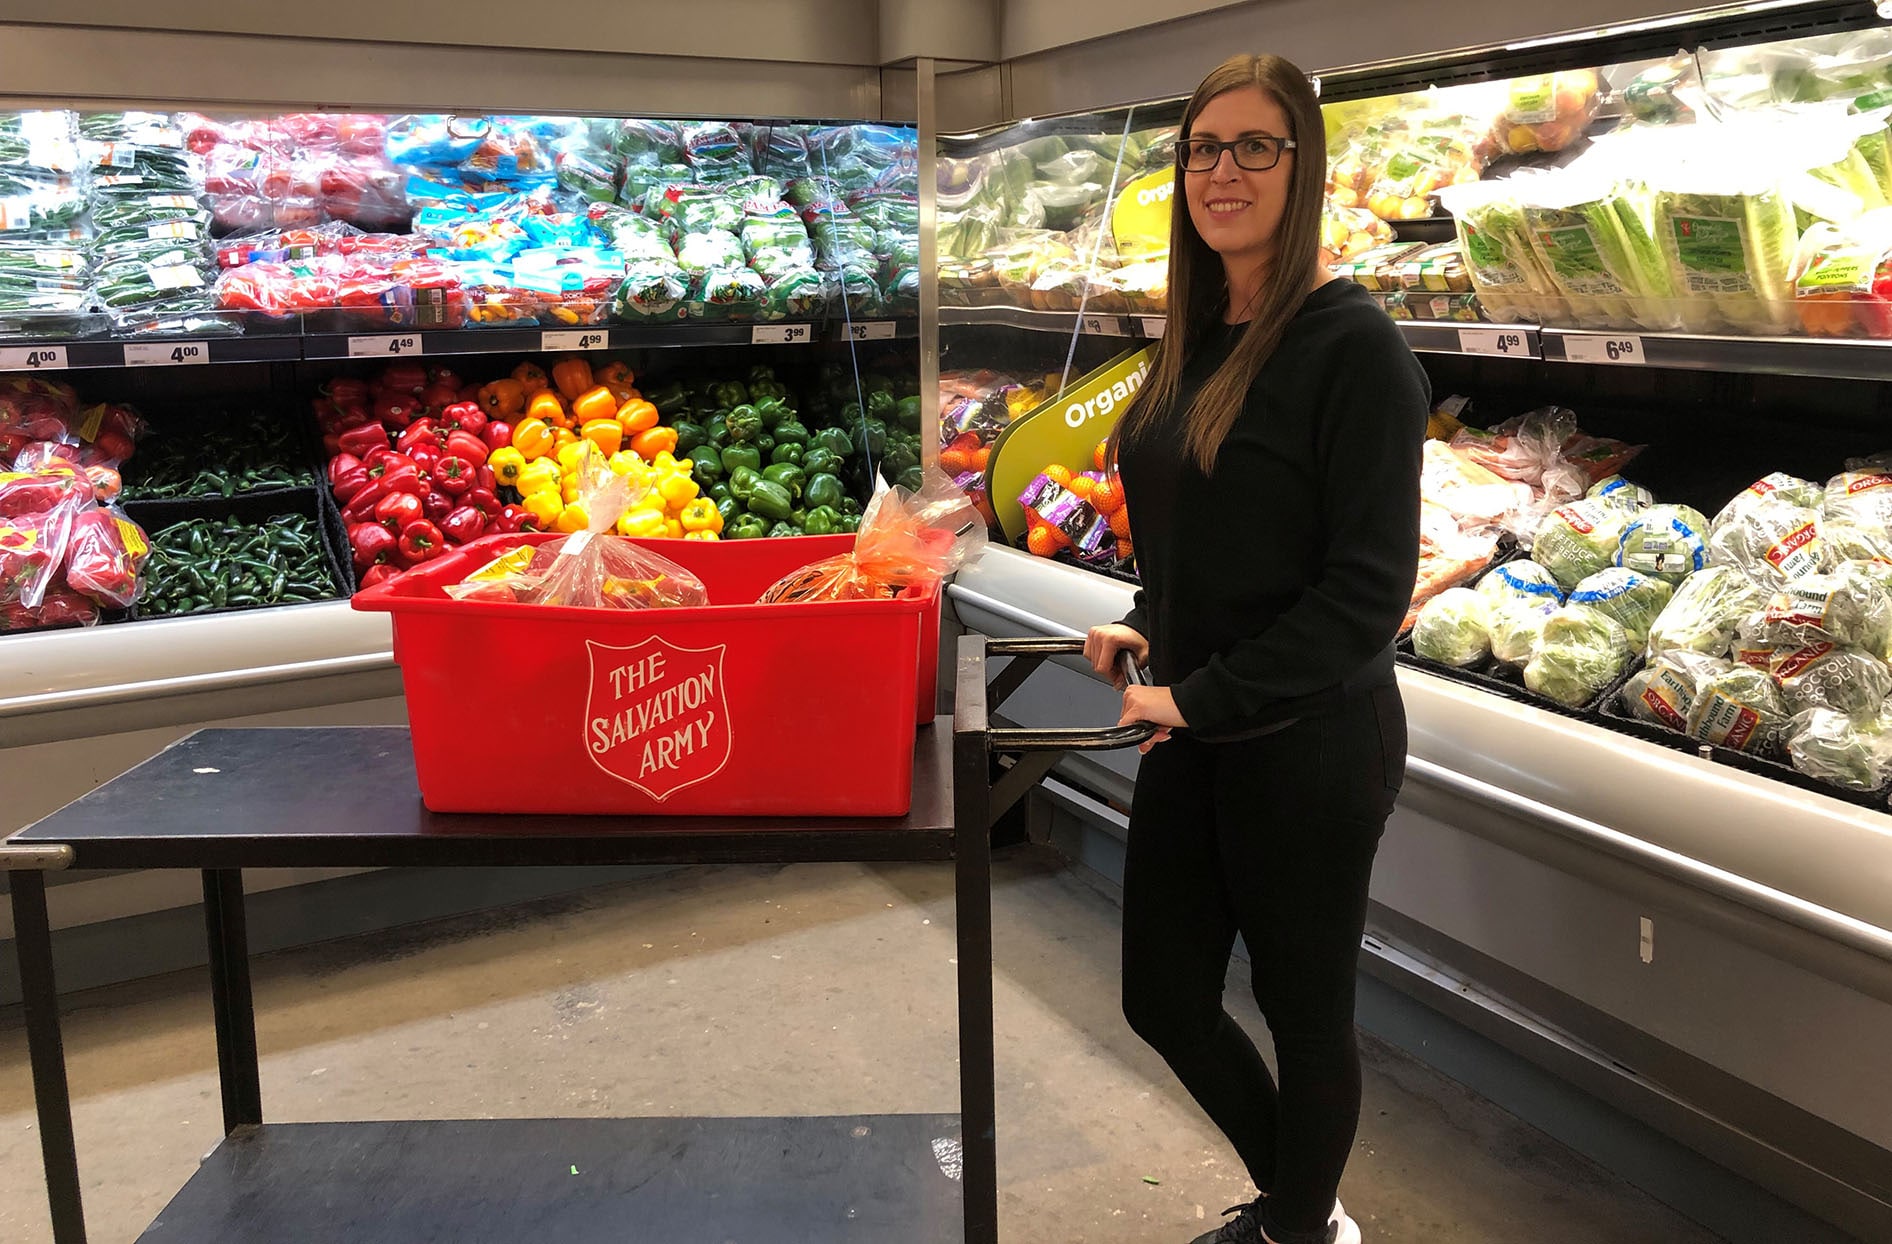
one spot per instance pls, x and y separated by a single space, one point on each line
1278 585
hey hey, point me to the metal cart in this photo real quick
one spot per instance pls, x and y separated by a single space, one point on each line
221 801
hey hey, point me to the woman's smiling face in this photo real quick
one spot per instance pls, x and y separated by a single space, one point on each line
1237 211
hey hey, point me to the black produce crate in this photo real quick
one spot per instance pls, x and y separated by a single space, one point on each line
1615 715
1508 681
255 511
296 450
336 531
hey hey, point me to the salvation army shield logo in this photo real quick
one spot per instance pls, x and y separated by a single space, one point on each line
656 716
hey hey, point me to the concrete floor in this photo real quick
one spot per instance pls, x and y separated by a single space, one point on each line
801 990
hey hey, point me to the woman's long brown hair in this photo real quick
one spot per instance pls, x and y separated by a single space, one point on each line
1198 288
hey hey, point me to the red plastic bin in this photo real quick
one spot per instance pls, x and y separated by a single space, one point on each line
734 709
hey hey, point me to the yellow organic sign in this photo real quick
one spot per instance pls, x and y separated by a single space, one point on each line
1062 429
1140 220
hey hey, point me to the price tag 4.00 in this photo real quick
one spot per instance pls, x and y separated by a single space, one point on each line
33 358
166 353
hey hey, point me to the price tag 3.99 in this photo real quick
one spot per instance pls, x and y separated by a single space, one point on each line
575 339
166 353
1103 326
873 330
1598 348
33 358
780 335
385 347
1498 342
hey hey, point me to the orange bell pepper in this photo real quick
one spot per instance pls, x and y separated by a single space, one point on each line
532 377
637 415
503 399
533 438
653 441
594 403
573 377
606 434
548 407
623 392
616 372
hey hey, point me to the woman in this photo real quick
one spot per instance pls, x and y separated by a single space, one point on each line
1272 465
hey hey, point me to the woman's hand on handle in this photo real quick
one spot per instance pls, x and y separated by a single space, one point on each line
1154 705
1103 643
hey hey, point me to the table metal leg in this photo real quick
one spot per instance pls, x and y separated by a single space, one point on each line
33 941
972 899
230 998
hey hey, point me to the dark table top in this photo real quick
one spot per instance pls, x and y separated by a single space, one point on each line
346 796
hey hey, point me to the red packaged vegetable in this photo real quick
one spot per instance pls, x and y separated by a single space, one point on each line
104 555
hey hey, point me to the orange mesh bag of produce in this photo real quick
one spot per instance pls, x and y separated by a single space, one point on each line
907 539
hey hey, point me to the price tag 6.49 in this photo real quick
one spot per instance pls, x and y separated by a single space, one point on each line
1498 342
873 330
384 347
33 358
780 335
1599 348
166 353
1103 326
575 339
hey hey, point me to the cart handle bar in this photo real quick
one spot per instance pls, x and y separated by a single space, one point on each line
1065 738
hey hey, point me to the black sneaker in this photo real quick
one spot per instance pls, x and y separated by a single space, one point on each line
1244 1228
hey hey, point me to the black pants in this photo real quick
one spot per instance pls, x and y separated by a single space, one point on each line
1272 838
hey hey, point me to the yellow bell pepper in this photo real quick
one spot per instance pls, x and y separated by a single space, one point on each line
606 434
569 489
544 507
595 403
532 438
572 518
678 490
572 453
539 476
548 407
624 462
573 377
666 462
673 529
641 523
705 534
562 437
507 463
701 514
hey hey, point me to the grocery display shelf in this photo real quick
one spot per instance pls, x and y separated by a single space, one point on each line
1062 322
1854 359
29 354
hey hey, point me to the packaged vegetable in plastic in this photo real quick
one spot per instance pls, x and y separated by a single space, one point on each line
1619 494
1845 606
1453 628
1771 542
1667 542
590 568
1579 652
1659 94
1705 611
1725 222
1546 112
1634 600
1517 623
61 606
1844 750
906 539
1858 505
104 555
1776 487
1520 580
1844 282
1739 708
1595 236
1824 675
652 289
1663 693
33 547
1577 540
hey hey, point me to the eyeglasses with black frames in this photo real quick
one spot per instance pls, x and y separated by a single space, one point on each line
1257 153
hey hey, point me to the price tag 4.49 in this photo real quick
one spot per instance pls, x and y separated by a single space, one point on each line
780 335
166 353
385 347
1599 348
32 358
575 339
1497 342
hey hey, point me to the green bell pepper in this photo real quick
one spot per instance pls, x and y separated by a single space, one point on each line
792 430
765 444
742 456
912 479
742 483
745 527
707 465
870 436
767 498
788 451
670 399
719 492
880 404
729 508
823 520
788 475
898 458
850 506
715 431
745 423
849 524
818 461
835 440
906 413
689 436
825 490
780 530
773 410
729 393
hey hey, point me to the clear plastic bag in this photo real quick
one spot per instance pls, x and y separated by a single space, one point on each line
906 539
1846 751
590 569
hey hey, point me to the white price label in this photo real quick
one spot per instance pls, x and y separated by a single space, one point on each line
1499 342
1103 326
877 330
1598 348
166 353
1153 325
780 335
575 339
33 358
384 347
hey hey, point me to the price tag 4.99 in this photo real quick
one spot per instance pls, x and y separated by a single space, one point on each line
575 339
1599 348
780 335
1497 342
33 358
166 353
385 347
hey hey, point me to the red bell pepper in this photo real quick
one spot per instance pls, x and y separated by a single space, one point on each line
512 518
343 390
425 456
452 475
420 432
403 378
439 396
437 504
348 483
464 523
360 507
464 417
397 510
440 373
468 446
372 543
331 443
396 410
420 541
360 440
340 465
103 556
485 501
380 572
497 434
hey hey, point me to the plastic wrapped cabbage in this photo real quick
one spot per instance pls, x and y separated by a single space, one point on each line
1517 622
1667 542
1771 542
1619 494
1525 580
1577 540
1778 486
1453 628
1663 693
1847 606
1856 520
1836 748
1705 611
711 249
1847 680
1634 600
1739 708
1579 652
